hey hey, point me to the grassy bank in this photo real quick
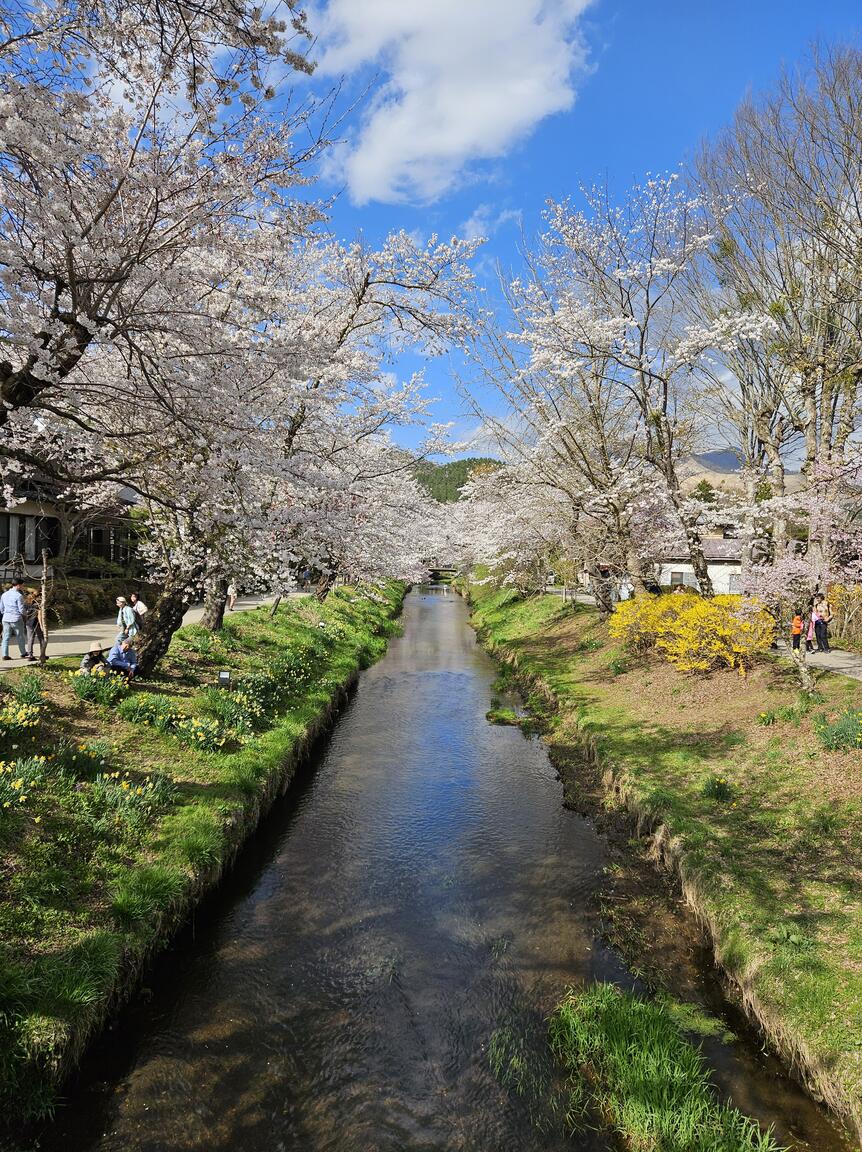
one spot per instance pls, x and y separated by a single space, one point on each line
119 807
628 1059
734 787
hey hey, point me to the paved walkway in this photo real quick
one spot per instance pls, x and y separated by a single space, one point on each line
837 660
75 639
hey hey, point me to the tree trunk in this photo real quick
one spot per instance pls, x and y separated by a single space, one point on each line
274 607
215 601
321 589
634 566
602 593
163 619
692 536
698 562
806 679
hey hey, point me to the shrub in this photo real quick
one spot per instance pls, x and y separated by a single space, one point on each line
19 721
162 713
133 801
200 732
207 644
101 686
30 689
241 710
18 778
695 634
718 788
843 732
145 708
82 758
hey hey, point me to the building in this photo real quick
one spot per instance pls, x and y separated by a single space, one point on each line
85 544
723 555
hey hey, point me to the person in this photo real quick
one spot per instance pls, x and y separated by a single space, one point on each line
796 626
127 621
93 658
139 608
33 626
821 625
231 596
808 626
13 607
122 658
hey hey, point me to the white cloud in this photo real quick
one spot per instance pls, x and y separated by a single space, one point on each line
461 81
484 222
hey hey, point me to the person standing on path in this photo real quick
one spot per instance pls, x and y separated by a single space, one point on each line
231 596
796 627
33 624
823 616
13 609
127 621
809 626
139 608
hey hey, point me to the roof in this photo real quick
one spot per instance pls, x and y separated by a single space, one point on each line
715 548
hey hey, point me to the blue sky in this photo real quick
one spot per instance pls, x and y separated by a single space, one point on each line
480 110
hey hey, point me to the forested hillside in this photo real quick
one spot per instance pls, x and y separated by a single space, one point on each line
444 481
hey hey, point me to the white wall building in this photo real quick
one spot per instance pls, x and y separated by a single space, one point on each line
723 561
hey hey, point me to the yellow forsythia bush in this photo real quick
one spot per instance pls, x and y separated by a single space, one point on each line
695 634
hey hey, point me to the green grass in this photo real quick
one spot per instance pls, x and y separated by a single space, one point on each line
629 1059
503 716
764 822
124 822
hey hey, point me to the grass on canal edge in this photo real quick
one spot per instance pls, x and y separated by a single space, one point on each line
627 1058
115 817
734 789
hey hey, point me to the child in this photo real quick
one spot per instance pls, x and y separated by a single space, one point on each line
796 626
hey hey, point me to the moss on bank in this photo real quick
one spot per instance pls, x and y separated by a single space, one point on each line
116 817
733 790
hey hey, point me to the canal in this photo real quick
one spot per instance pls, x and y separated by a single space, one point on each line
420 887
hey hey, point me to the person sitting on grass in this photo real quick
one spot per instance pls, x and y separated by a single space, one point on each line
122 658
93 658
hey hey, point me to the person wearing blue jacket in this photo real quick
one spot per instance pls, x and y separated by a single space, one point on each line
13 610
123 658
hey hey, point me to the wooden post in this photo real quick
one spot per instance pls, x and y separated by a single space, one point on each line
42 615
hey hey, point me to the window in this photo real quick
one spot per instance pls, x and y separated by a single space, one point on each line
48 536
734 583
677 578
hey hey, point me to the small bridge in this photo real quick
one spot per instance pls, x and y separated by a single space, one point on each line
441 573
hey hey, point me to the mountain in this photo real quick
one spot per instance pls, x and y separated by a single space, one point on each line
445 481
719 460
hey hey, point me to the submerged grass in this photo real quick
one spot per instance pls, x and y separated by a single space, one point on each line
119 819
628 1057
733 789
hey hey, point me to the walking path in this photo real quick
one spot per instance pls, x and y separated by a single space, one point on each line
836 660
75 639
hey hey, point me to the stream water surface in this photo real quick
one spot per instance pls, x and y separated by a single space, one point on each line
420 887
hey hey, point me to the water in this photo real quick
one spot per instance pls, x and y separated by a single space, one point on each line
421 887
